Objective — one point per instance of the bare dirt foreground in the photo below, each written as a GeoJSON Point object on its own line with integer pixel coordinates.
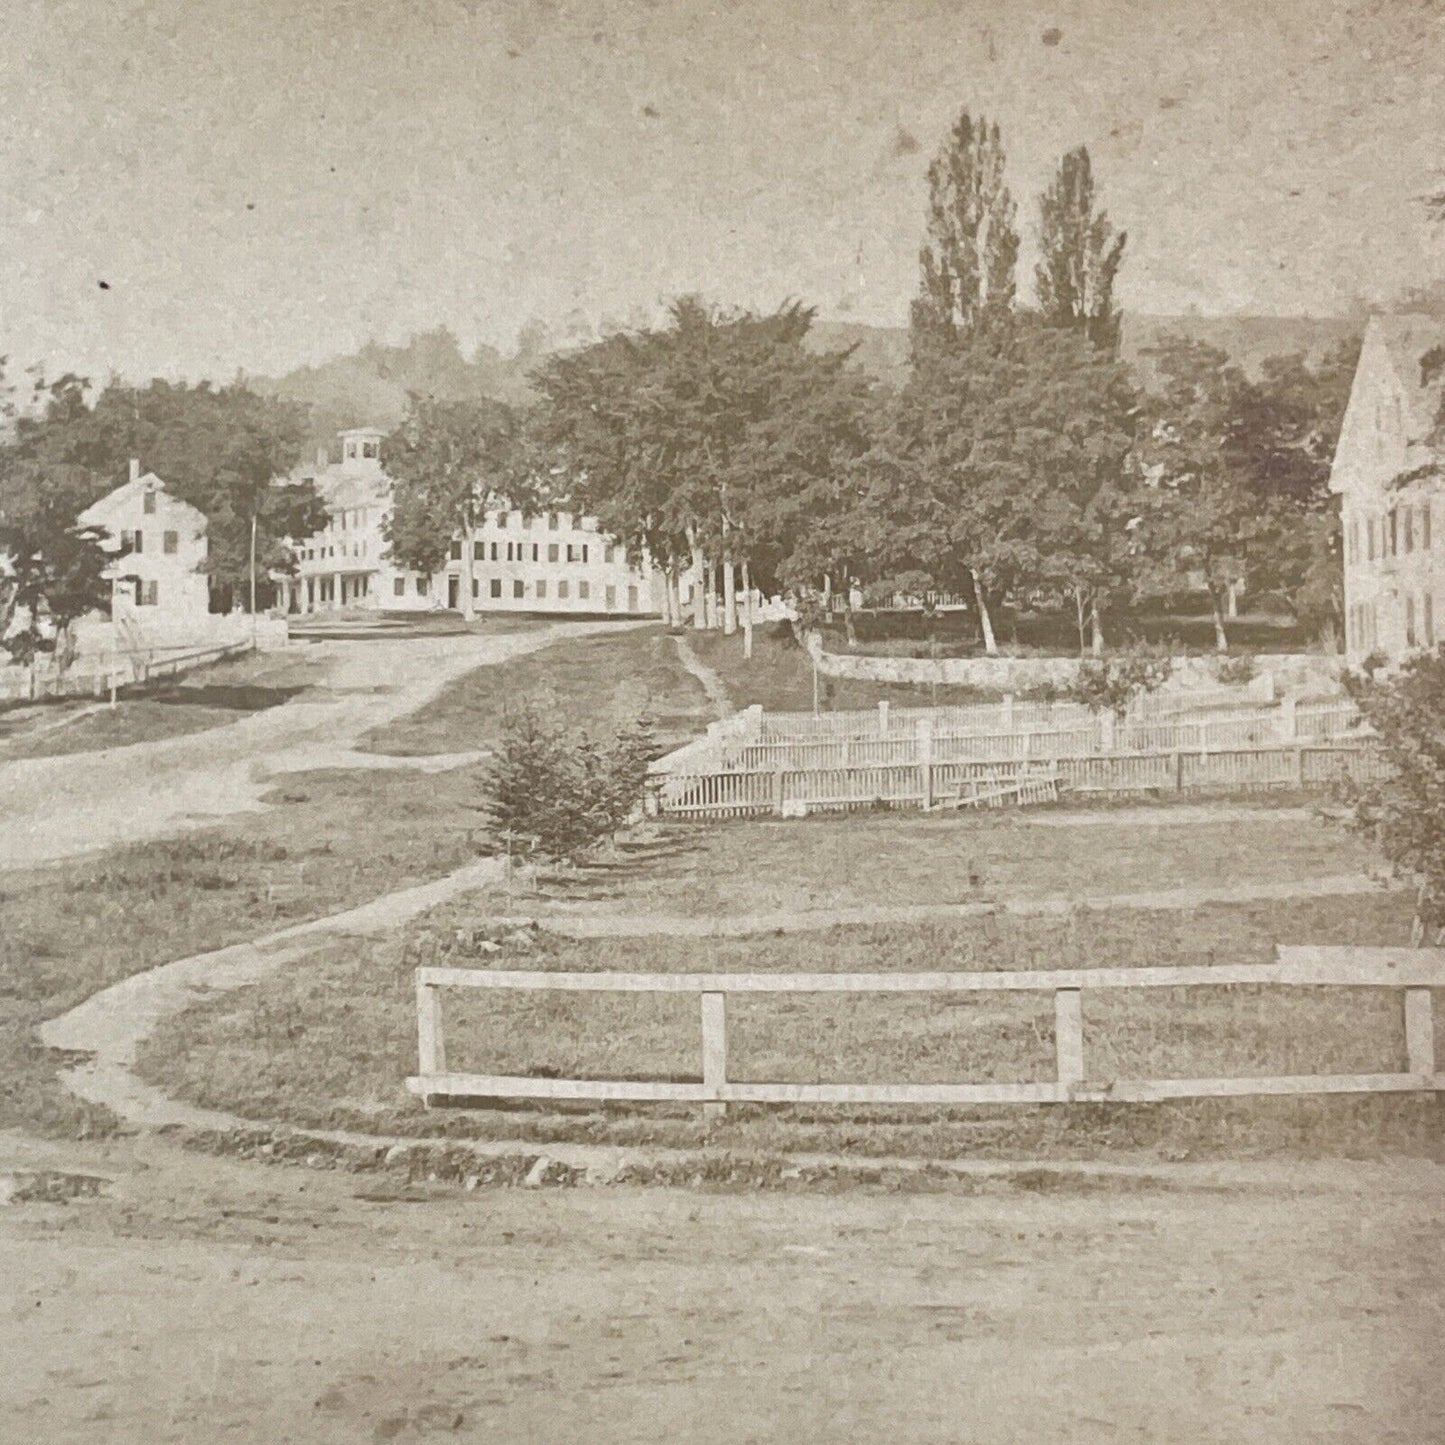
{"type": "Point", "coordinates": [197, 1300]}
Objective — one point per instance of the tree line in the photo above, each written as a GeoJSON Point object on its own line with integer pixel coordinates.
{"type": "Point", "coordinates": [1021, 459]}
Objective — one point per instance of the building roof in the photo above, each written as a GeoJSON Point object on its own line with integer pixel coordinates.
{"type": "Point", "coordinates": [94, 515]}
{"type": "Point", "coordinates": [1415, 345]}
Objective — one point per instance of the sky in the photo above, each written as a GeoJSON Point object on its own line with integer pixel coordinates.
{"type": "Point", "coordinates": [192, 189]}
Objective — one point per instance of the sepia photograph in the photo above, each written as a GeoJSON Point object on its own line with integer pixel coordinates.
{"type": "Point", "coordinates": [722, 721]}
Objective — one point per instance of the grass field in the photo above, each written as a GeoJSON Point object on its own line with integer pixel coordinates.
{"type": "Point", "coordinates": [329, 1041]}
{"type": "Point", "coordinates": [596, 683]}
{"type": "Point", "coordinates": [206, 698]}
{"type": "Point", "coordinates": [324, 842]}
{"type": "Point", "coordinates": [901, 859]}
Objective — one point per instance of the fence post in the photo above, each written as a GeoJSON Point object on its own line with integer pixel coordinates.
{"type": "Point", "coordinates": [1106, 731]}
{"type": "Point", "coordinates": [1287, 719]}
{"type": "Point", "coordinates": [1419, 1031]}
{"type": "Point", "coordinates": [430, 1041]}
{"type": "Point", "coordinates": [778, 792]}
{"type": "Point", "coordinates": [925, 760]}
{"type": "Point", "coordinates": [882, 717]}
{"type": "Point", "coordinates": [1299, 766]}
{"type": "Point", "coordinates": [1178, 771]}
{"type": "Point", "coordinates": [1008, 713]}
{"type": "Point", "coordinates": [1069, 1036]}
{"type": "Point", "coordinates": [714, 1051]}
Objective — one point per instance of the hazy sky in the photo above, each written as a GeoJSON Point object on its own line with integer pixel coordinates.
{"type": "Point", "coordinates": [262, 183]}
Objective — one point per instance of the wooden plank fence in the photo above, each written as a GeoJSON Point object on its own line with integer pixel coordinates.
{"type": "Point", "coordinates": [713, 792]}
{"type": "Point", "coordinates": [1415, 971]}
{"type": "Point", "coordinates": [96, 676]}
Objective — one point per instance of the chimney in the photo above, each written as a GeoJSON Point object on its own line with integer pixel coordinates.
{"type": "Point", "coordinates": [134, 470]}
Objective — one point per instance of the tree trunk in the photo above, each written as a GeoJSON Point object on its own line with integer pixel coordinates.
{"type": "Point", "coordinates": [253, 579]}
{"type": "Point", "coordinates": [1233, 600]}
{"type": "Point", "coordinates": [1096, 628]}
{"type": "Point", "coordinates": [990, 643]}
{"type": "Point", "coordinates": [1079, 618]}
{"type": "Point", "coordinates": [1221, 638]}
{"type": "Point", "coordinates": [699, 587]}
{"type": "Point", "coordinates": [730, 597]}
{"type": "Point", "coordinates": [674, 596]}
{"type": "Point", "coordinates": [747, 612]}
{"type": "Point", "coordinates": [468, 568]}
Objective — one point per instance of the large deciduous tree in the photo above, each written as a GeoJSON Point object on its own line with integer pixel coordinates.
{"type": "Point", "coordinates": [51, 569]}
{"type": "Point", "coordinates": [716, 440]}
{"type": "Point", "coordinates": [968, 261]}
{"type": "Point", "coordinates": [1079, 254]}
{"type": "Point", "coordinates": [452, 462]}
{"type": "Point", "coordinates": [1004, 465]}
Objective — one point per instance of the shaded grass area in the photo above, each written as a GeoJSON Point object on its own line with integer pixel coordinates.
{"type": "Point", "coordinates": [903, 859]}
{"type": "Point", "coordinates": [1184, 629]}
{"type": "Point", "coordinates": [327, 841]}
{"type": "Point", "coordinates": [344, 1022]}
{"type": "Point", "coordinates": [779, 676]}
{"type": "Point", "coordinates": [593, 683]}
{"type": "Point", "coordinates": [209, 697]}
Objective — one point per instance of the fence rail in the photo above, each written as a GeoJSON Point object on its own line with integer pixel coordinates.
{"type": "Point", "coordinates": [1415, 971]}
{"type": "Point", "coordinates": [734, 792]}
{"type": "Point", "coordinates": [94, 677]}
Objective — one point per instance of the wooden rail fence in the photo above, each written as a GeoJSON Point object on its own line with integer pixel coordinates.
{"type": "Point", "coordinates": [1415, 971]}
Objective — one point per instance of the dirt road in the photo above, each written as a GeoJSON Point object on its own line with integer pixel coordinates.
{"type": "Point", "coordinates": [57, 807]}
{"type": "Point", "coordinates": [203, 1301]}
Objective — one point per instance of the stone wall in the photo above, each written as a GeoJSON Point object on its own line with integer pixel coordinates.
{"type": "Point", "coordinates": [1284, 672]}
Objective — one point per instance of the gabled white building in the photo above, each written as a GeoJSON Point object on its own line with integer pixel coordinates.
{"type": "Point", "coordinates": [1394, 535]}
{"type": "Point", "coordinates": [159, 543]}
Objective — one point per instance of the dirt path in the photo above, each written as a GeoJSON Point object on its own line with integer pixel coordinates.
{"type": "Point", "coordinates": [198, 1300]}
{"type": "Point", "coordinates": [575, 921]}
{"type": "Point", "coordinates": [712, 683]}
{"type": "Point", "coordinates": [111, 1025]}
{"type": "Point", "coordinates": [57, 807]}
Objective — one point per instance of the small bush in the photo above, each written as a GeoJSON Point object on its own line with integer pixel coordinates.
{"type": "Point", "coordinates": [1112, 683]}
{"type": "Point", "coordinates": [1237, 671]}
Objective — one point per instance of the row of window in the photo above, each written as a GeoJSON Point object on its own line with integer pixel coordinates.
{"type": "Point", "coordinates": [1362, 624]}
{"type": "Point", "coordinates": [312, 554]}
{"type": "Point", "coordinates": [349, 519]}
{"type": "Point", "coordinates": [134, 542]}
{"type": "Point", "coordinates": [541, 593]}
{"type": "Point", "coordinates": [517, 552]}
{"type": "Point", "coordinates": [1395, 534]}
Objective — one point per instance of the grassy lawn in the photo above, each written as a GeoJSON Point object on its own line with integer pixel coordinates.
{"type": "Point", "coordinates": [206, 698]}
{"type": "Point", "coordinates": [326, 841]}
{"type": "Point", "coordinates": [344, 1022]}
{"type": "Point", "coordinates": [901, 859]}
{"type": "Point", "coordinates": [596, 683]}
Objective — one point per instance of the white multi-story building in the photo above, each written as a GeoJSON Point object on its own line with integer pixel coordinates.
{"type": "Point", "coordinates": [549, 561]}
{"type": "Point", "coordinates": [346, 563]}
{"type": "Point", "coordinates": [1394, 533]}
{"type": "Point", "coordinates": [158, 579]}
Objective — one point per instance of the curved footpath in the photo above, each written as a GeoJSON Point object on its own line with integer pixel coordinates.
{"type": "Point", "coordinates": [111, 1025]}
{"type": "Point", "coordinates": [58, 807]}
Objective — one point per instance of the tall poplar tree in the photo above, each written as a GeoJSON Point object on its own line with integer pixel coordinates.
{"type": "Point", "coordinates": [1080, 254]}
{"type": "Point", "coordinates": [967, 264]}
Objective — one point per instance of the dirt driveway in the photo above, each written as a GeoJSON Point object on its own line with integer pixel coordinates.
{"type": "Point", "coordinates": [57, 807]}
{"type": "Point", "coordinates": [204, 1301]}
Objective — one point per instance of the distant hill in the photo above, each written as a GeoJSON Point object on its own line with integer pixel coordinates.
{"type": "Point", "coordinates": [369, 388]}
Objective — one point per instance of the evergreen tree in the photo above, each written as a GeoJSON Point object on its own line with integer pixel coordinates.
{"type": "Point", "coordinates": [1080, 255]}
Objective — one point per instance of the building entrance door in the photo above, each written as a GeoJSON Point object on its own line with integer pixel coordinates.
{"type": "Point", "coordinates": [453, 592]}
